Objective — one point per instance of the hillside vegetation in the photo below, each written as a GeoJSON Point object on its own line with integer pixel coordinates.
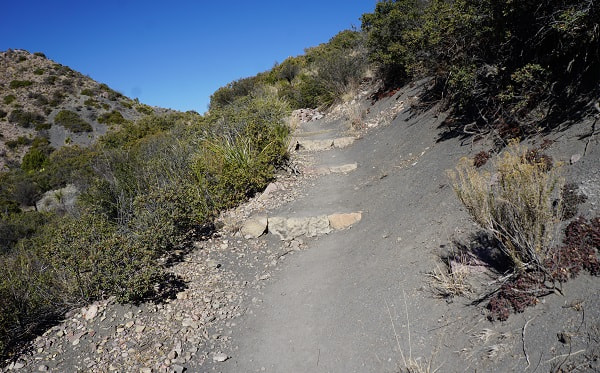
{"type": "Point", "coordinates": [41, 99]}
{"type": "Point", "coordinates": [151, 181]}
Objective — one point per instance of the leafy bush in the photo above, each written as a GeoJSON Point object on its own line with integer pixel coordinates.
{"type": "Point", "coordinates": [388, 31]}
{"type": "Point", "coordinates": [512, 67]}
{"type": "Point", "coordinates": [33, 160]}
{"type": "Point", "coordinates": [228, 94]}
{"type": "Point", "coordinates": [40, 99]}
{"type": "Point", "coordinates": [112, 94]}
{"type": "Point", "coordinates": [39, 54]}
{"type": "Point", "coordinates": [50, 79]}
{"type": "Point", "coordinates": [90, 102]}
{"type": "Point", "coordinates": [113, 118]}
{"type": "Point", "coordinates": [240, 161]}
{"type": "Point", "coordinates": [29, 298]}
{"type": "Point", "coordinates": [131, 132]}
{"type": "Point", "coordinates": [517, 208]}
{"type": "Point", "coordinates": [72, 121]}
{"type": "Point", "coordinates": [38, 71]}
{"type": "Point", "coordinates": [25, 119]}
{"type": "Point", "coordinates": [3, 114]}
{"type": "Point", "coordinates": [92, 260]}
{"type": "Point", "coordinates": [20, 84]}
{"type": "Point", "coordinates": [20, 141]}
{"type": "Point", "coordinates": [88, 92]}
{"type": "Point", "coordinates": [43, 126]}
{"type": "Point", "coordinates": [16, 226]}
{"type": "Point", "coordinates": [8, 99]}
{"type": "Point", "coordinates": [144, 109]}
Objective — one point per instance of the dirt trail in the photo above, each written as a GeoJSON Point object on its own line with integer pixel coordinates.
{"type": "Point", "coordinates": [357, 300]}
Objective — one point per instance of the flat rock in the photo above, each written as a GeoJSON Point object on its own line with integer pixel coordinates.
{"type": "Point", "coordinates": [342, 142]}
{"type": "Point", "coordinates": [290, 228]}
{"type": "Point", "coordinates": [343, 221]}
{"type": "Point", "coordinates": [254, 227]}
{"type": "Point", "coordinates": [343, 168]}
{"type": "Point", "coordinates": [313, 145]}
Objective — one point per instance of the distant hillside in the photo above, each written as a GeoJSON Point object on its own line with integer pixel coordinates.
{"type": "Point", "coordinates": [42, 98]}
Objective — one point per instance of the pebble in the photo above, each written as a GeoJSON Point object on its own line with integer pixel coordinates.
{"type": "Point", "coordinates": [177, 368]}
{"type": "Point", "coordinates": [43, 368]}
{"type": "Point", "coordinates": [220, 357]}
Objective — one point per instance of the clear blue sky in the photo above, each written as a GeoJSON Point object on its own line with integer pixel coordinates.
{"type": "Point", "coordinates": [173, 53]}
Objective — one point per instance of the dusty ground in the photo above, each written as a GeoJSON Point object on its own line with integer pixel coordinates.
{"type": "Point", "coordinates": [355, 300]}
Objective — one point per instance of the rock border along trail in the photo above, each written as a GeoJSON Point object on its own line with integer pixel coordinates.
{"type": "Point", "coordinates": [326, 271]}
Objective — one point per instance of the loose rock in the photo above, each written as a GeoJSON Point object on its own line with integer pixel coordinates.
{"type": "Point", "coordinates": [343, 221]}
{"type": "Point", "coordinates": [220, 357]}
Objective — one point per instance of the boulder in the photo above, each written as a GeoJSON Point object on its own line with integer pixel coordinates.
{"type": "Point", "coordinates": [254, 227]}
{"type": "Point", "coordinates": [59, 199]}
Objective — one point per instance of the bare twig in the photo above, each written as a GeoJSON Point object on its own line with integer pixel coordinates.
{"type": "Point", "coordinates": [523, 338]}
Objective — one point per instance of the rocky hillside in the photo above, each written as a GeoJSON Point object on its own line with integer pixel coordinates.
{"type": "Point", "coordinates": [42, 98]}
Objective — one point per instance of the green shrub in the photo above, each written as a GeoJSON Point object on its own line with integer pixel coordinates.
{"type": "Point", "coordinates": [88, 92]}
{"type": "Point", "coordinates": [91, 260]}
{"type": "Point", "coordinates": [33, 160]}
{"type": "Point", "coordinates": [113, 118]}
{"type": "Point", "coordinates": [30, 298]}
{"type": "Point", "coordinates": [240, 160]}
{"type": "Point", "coordinates": [72, 121]}
{"type": "Point", "coordinates": [57, 99]}
{"type": "Point", "coordinates": [518, 208]}
{"type": "Point", "coordinates": [40, 99]}
{"type": "Point", "coordinates": [146, 126]}
{"type": "Point", "coordinates": [90, 102]}
{"type": "Point", "coordinates": [3, 114]}
{"type": "Point", "coordinates": [39, 54]}
{"type": "Point", "coordinates": [43, 126]}
{"type": "Point", "coordinates": [112, 94]}
{"type": "Point", "coordinates": [228, 94]}
{"type": "Point", "coordinates": [17, 226]}
{"type": "Point", "coordinates": [25, 119]}
{"type": "Point", "coordinates": [50, 79]}
{"type": "Point", "coordinates": [20, 84]}
{"type": "Point", "coordinates": [38, 71]}
{"type": "Point", "coordinates": [388, 29]}
{"type": "Point", "coordinates": [8, 99]}
{"type": "Point", "coordinates": [231, 171]}
{"type": "Point", "coordinates": [144, 109]}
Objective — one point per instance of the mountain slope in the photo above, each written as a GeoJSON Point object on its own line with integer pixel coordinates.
{"type": "Point", "coordinates": [34, 91]}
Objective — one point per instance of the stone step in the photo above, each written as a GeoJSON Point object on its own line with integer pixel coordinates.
{"type": "Point", "coordinates": [288, 228]}
{"type": "Point", "coordinates": [326, 144]}
{"type": "Point", "coordinates": [326, 170]}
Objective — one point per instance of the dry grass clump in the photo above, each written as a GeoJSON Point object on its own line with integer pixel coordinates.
{"type": "Point", "coordinates": [519, 204]}
{"type": "Point", "coordinates": [448, 283]}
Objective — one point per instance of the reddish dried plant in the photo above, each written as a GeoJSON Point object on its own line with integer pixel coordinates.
{"type": "Point", "coordinates": [481, 158]}
{"type": "Point", "coordinates": [579, 252]}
